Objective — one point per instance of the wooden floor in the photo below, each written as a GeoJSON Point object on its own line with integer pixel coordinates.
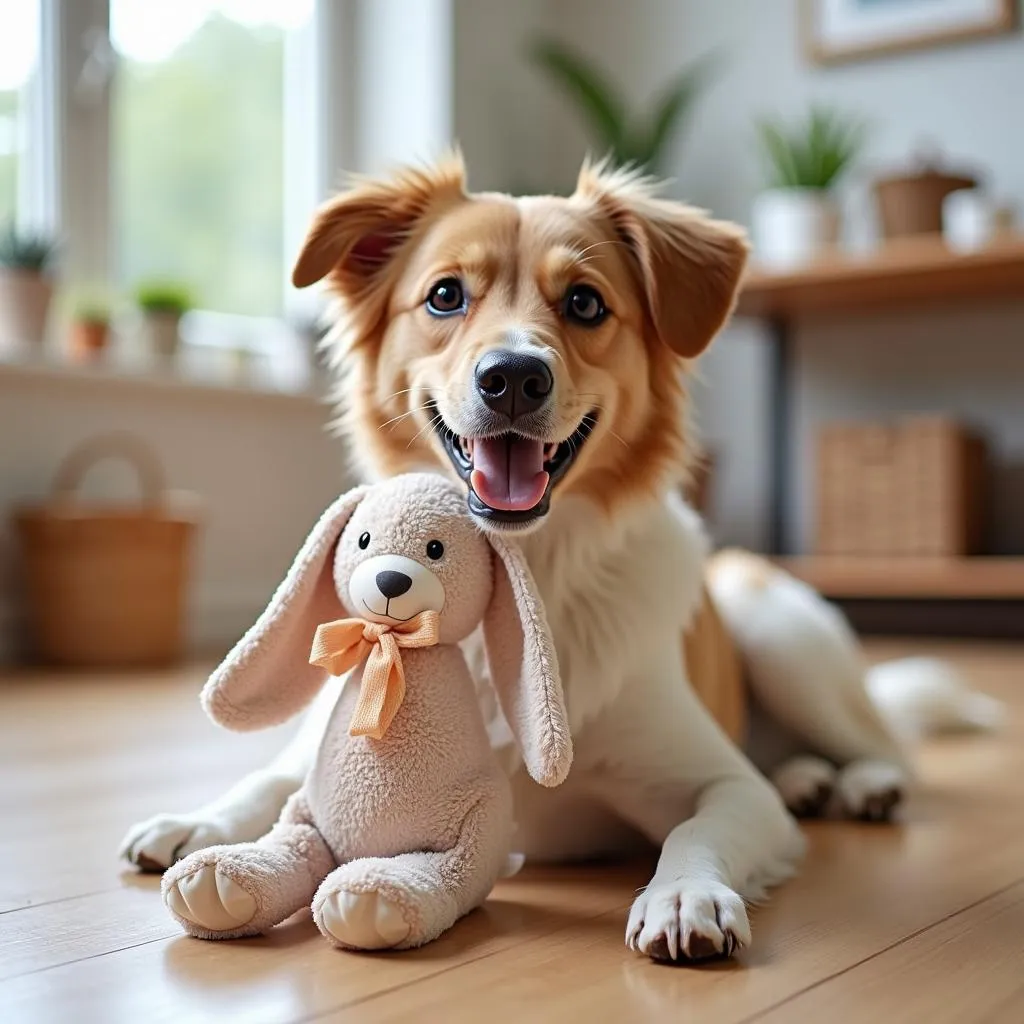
{"type": "Point", "coordinates": [918, 923]}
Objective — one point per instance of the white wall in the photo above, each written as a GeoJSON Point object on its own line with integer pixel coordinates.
{"type": "Point", "coordinates": [264, 466]}
{"type": "Point", "coordinates": [963, 98]}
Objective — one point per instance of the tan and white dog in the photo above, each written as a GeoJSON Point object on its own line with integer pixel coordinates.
{"type": "Point", "coordinates": [538, 349]}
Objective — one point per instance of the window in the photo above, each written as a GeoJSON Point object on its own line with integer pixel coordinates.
{"type": "Point", "coordinates": [197, 147]}
{"type": "Point", "coordinates": [19, 54]}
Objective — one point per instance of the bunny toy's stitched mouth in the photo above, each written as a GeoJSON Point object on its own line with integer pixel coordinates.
{"type": "Point", "coordinates": [510, 476]}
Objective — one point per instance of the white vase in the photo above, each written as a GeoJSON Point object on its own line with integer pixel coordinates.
{"type": "Point", "coordinates": [24, 306]}
{"type": "Point", "coordinates": [791, 226]}
{"type": "Point", "coordinates": [161, 332]}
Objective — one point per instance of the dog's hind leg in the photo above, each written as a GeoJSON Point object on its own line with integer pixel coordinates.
{"type": "Point", "coordinates": [807, 674]}
{"type": "Point", "coordinates": [245, 812]}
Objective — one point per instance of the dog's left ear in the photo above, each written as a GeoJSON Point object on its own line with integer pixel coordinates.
{"type": "Point", "coordinates": [355, 235]}
{"type": "Point", "coordinates": [691, 265]}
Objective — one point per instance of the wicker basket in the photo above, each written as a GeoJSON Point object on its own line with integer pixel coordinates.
{"type": "Point", "coordinates": [106, 584]}
{"type": "Point", "coordinates": [913, 488]}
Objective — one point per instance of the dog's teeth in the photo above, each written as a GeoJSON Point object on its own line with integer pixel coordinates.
{"type": "Point", "coordinates": [467, 447]}
{"type": "Point", "coordinates": [550, 450]}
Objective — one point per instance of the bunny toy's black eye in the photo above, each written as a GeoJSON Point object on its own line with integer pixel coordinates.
{"type": "Point", "coordinates": [435, 549]}
{"type": "Point", "coordinates": [364, 541]}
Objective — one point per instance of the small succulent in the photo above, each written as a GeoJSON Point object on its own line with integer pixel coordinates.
{"type": "Point", "coordinates": [628, 141]}
{"type": "Point", "coordinates": [163, 297]}
{"type": "Point", "coordinates": [26, 250]}
{"type": "Point", "coordinates": [814, 154]}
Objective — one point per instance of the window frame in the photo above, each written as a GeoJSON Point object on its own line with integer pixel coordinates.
{"type": "Point", "coordinates": [68, 185]}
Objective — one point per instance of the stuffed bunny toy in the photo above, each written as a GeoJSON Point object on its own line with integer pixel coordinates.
{"type": "Point", "coordinates": [404, 822]}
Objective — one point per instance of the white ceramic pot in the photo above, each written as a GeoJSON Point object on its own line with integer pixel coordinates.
{"type": "Point", "coordinates": [791, 226]}
{"type": "Point", "coordinates": [24, 307]}
{"type": "Point", "coordinates": [970, 219]}
{"type": "Point", "coordinates": [161, 332]}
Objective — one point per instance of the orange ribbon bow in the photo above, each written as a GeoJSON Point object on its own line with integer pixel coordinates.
{"type": "Point", "coordinates": [341, 645]}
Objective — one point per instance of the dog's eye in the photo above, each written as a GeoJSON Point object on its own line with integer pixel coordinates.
{"type": "Point", "coordinates": [435, 549]}
{"type": "Point", "coordinates": [584, 305]}
{"type": "Point", "coordinates": [447, 297]}
{"type": "Point", "coordinates": [364, 541]}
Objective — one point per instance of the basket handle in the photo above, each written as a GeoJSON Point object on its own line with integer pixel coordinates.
{"type": "Point", "coordinates": [120, 445]}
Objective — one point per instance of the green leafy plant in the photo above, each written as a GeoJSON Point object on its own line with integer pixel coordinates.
{"type": "Point", "coordinates": [92, 309]}
{"type": "Point", "coordinates": [813, 154]}
{"type": "Point", "coordinates": [639, 142]}
{"type": "Point", "coordinates": [26, 250]}
{"type": "Point", "coordinates": [163, 297]}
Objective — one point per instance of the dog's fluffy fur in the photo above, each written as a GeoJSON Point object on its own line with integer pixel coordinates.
{"type": "Point", "coordinates": [621, 562]}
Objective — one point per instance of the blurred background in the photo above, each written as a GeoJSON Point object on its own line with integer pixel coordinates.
{"type": "Point", "coordinates": [159, 163]}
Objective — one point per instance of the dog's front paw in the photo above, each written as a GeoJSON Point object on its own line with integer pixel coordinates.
{"type": "Point", "coordinates": [682, 921]}
{"type": "Point", "coordinates": [156, 843]}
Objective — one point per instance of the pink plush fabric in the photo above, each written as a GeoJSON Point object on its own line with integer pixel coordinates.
{"type": "Point", "coordinates": [393, 839]}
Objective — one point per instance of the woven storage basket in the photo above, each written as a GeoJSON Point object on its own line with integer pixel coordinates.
{"type": "Point", "coordinates": [106, 584]}
{"type": "Point", "coordinates": [913, 488]}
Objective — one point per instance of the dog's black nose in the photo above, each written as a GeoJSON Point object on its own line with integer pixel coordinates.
{"type": "Point", "coordinates": [393, 584]}
{"type": "Point", "coordinates": [512, 383]}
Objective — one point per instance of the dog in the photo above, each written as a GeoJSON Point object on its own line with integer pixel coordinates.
{"type": "Point", "coordinates": [538, 350]}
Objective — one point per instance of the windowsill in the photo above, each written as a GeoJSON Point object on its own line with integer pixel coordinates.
{"type": "Point", "coordinates": [189, 374]}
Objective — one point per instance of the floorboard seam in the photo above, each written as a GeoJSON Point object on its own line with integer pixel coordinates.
{"type": "Point", "coordinates": [453, 967]}
{"type": "Point", "coordinates": [92, 956]}
{"type": "Point", "coordinates": [759, 1014]}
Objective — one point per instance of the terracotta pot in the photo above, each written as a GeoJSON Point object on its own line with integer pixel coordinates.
{"type": "Point", "coordinates": [912, 204]}
{"type": "Point", "coordinates": [89, 337]}
{"type": "Point", "coordinates": [161, 333]}
{"type": "Point", "coordinates": [24, 307]}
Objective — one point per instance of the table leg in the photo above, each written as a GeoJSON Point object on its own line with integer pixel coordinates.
{"type": "Point", "coordinates": [779, 350]}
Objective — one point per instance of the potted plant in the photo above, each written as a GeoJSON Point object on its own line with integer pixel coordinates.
{"type": "Point", "coordinates": [797, 217]}
{"type": "Point", "coordinates": [162, 304]}
{"type": "Point", "coordinates": [629, 141]}
{"type": "Point", "coordinates": [26, 288]}
{"type": "Point", "coordinates": [90, 326]}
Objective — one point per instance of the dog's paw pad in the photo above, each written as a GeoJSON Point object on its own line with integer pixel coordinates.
{"type": "Point", "coordinates": [681, 922]}
{"type": "Point", "coordinates": [210, 900]}
{"type": "Point", "coordinates": [871, 790]}
{"type": "Point", "coordinates": [155, 844]}
{"type": "Point", "coordinates": [361, 920]}
{"type": "Point", "coordinates": [806, 785]}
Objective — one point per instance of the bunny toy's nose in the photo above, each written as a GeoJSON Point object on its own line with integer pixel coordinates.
{"type": "Point", "coordinates": [393, 584]}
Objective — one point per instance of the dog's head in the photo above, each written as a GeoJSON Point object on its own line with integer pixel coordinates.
{"type": "Point", "coordinates": [535, 347]}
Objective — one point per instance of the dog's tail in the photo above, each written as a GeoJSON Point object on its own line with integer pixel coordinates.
{"type": "Point", "coordinates": [805, 667]}
{"type": "Point", "coordinates": [919, 697]}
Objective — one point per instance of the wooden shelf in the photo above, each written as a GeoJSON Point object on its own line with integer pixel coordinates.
{"type": "Point", "coordinates": [901, 273]}
{"type": "Point", "coordinates": [979, 578]}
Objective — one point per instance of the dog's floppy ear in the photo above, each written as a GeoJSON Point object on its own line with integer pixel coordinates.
{"type": "Point", "coordinates": [524, 667]}
{"type": "Point", "coordinates": [267, 678]}
{"type": "Point", "coordinates": [690, 265]}
{"type": "Point", "coordinates": [354, 235]}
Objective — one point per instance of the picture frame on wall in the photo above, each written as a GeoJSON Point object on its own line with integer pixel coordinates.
{"type": "Point", "coordinates": [835, 31]}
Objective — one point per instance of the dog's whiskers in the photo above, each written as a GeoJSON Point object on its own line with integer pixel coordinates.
{"type": "Point", "coordinates": [419, 433]}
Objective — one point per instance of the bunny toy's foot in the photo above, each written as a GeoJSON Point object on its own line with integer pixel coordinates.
{"type": "Point", "coordinates": [386, 903]}
{"type": "Point", "coordinates": [207, 900]}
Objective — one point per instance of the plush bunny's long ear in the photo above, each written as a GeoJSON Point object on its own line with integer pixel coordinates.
{"type": "Point", "coordinates": [524, 667]}
{"type": "Point", "coordinates": [267, 678]}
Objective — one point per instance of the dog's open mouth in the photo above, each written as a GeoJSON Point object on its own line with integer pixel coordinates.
{"type": "Point", "coordinates": [510, 476]}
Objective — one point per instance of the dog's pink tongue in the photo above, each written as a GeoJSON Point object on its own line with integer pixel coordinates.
{"type": "Point", "coordinates": [508, 474]}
